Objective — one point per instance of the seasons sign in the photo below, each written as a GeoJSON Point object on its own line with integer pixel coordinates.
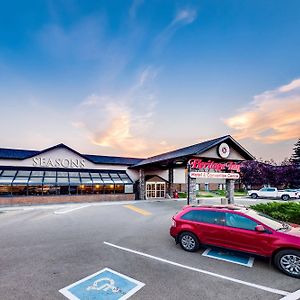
{"type": "Point", "coordinates": [58, 162]}
{"type": "Point", "coordinates": [198, 164]}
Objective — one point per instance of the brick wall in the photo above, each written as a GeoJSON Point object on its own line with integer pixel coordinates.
{"type": "Point", "coordinates": [28, 200]}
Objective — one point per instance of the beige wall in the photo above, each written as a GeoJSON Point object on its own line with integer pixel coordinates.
{"type": "Point", "coordinates": [213, 153]}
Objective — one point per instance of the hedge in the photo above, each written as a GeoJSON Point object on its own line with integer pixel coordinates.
{"type": "Point", "coordinates": [287, 212]}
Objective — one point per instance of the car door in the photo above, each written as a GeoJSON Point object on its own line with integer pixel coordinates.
{"type": "Point", "coordinates": [243, 236]}
{"type": "Point", "coordinates": [210, 227]}
{"type": "Point", "coordinates": [272, 192]}
{"type": "Point", "coordinates": [263, 192]}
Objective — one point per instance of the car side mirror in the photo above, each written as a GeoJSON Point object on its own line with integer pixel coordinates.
{"type": "Point", "coordinates": [260, 228]}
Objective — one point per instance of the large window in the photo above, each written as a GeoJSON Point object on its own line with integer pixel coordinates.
{"type": "Point", "coordinates": [50, 182]}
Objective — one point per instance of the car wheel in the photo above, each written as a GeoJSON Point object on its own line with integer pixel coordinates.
{"type": "Point", "coordinates": [189, 242]}
{"type": "Point", "coordinates": [254, 196]}
{"type": "Point", "coordinates": [288, 261]}
{"type": "Point", "coordinates": [285, 197]}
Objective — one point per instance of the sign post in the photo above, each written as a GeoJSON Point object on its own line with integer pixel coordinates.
{"type": "Point", "coordinates": [210, 169]}
{"type": "Point", "coordinates": [188, 182]}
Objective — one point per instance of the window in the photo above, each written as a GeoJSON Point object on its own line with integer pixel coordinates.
{"type": "Point", "coordinates": [9, 173]}
{"type": "Point", "coordinates": [50, 182]}
{"type": "Point", "coordinates": [205, 216]}
{"type": "Point", "coordinates": [238, 221]}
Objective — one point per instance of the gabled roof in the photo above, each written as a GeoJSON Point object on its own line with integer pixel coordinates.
{"type": "Point", "coordinates": [96, 159]}
{"type": "Point", "coordinates": [6, 153]}
{"type": "Point", "coordinates": [193, 150]}
{"type": "Point", "coordinates": [129, 161]}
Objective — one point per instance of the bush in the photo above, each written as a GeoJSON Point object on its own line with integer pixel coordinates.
{"type": "Point", "coordinates": [287, 212]}
{"type": "Point", "coordinates": [182, 195]}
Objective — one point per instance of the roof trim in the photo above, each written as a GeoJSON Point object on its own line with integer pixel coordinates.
{"type": "Point", "coordinates": [211, 143]}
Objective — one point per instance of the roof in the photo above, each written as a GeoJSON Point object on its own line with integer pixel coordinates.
{"type": "Point", "coordinates": [20, 154]}
{"type": "Point", "coordinates": [196, 149]}
{"type": "Point", "coordinates": [193, 150]}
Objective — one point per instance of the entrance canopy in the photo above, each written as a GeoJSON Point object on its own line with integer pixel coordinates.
{"type": "Point", "coordinates": [208, 149]}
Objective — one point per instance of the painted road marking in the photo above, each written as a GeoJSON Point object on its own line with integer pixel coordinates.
{"type": "Point", "coordinates": [103, 285]}
{"type": "Point", "coordinates": [60, 212]}
{"type": "Point", "coordinates": [292, 296]}
{"type": "Point", "coordinates": [230, 256]}
{"type": "Point", "coordinates": [138, 210]}
{"type": "Point", "coordinates": [258, 286]}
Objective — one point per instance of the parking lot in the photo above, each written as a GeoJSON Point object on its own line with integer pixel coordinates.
{"type": "Point", "coordinates": [44, 249]}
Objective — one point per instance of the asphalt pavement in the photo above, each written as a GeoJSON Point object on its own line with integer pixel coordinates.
{"type": "Point", "coordinates": [46, 248]}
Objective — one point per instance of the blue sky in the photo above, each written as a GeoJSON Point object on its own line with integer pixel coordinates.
{"type": "Point", "coordinates": [138, 77]}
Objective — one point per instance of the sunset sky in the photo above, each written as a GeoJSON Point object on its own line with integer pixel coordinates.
{"type": "Point", "coordinates": [137, 78]}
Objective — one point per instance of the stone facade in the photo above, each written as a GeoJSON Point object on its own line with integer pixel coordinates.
{"type": "Point", "coordinates": [29, 200]}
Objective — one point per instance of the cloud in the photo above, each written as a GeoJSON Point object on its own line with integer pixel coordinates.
{"type": "Point", "coordinates": [122, 122]}
{"type": "Point", "coordinates": [183, 17]}
{"type": "Point", "coordinates": [134, 7]}
{"type": "Point", "coordinates": [82, 40]}
{"type": "Point", "coordinates": [272, 117]}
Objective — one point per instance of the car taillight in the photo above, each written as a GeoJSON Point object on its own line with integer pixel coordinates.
{"type": "Point", "coordinates": [173, 223]}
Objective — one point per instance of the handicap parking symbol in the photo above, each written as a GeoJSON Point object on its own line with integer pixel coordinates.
{"type": "Point", "coordinates": [105, 284]}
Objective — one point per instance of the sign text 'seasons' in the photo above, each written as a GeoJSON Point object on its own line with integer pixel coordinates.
{"type": "Point", "coordinates": [58, 162]}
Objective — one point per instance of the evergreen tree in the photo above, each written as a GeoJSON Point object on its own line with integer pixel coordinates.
{"type": "Point", "coordinates": [296, 155]}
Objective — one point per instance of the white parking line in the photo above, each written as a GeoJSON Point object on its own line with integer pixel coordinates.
{"type": "Point", "coordinates": [292, 296]}
{"type": "Point", "coordinates": [58, 212]}
{"type": "Point", "coordinates": [258, 286]}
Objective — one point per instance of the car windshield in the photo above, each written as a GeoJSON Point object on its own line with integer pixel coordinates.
{"type": "Point", "coordinates": [267, 220]}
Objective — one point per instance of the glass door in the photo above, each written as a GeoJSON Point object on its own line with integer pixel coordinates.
{"type": "Point", "coordinates": [155, 190]}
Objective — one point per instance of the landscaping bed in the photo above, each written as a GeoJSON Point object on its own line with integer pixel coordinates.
{"type": "Point", "coordinates": [287, 212]}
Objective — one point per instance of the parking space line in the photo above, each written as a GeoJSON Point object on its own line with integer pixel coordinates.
{"type": "Point", "coordinates": [58, 212]}
{"type": "Point", "coordinates": [138, 210]}
{"type": "Point", "coordinates": [292, 296]}
{"type": "Point", "coordinates": [258, 286]}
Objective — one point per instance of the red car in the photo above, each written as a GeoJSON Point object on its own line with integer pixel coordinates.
{"type": "Point", "coordinates": [242, 229]}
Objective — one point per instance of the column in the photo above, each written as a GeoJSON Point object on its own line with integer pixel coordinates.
{"type": "Point", "coordinates": [191, 188]}
{"type": "Point", "coordinates": [171, 182]}
{"type": "Point", "coordinates": [230, 191]}
{"type": "Point", "coordinates": [142, 194]}
{"type": "Point", "coordinates": [192, 191]}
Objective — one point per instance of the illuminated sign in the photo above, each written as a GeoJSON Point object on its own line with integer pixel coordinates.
{"type": "Point", "coordinates": [211, 165]}
{"type": "Point", "coordinates": [214, 175]}
{"type": "Point", "coordinates": [58, 162]}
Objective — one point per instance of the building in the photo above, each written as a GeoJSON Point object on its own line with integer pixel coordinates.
{"type": "Point", "coordinates": [61, 174]}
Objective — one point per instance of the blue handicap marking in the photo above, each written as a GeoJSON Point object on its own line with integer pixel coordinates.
{"type": "Point", "coordinates": [230, 256]}
{"type": "Point", "coordinates": [105, 284]}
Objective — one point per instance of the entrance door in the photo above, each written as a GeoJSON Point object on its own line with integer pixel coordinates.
{"type": "Point", "coordinates": [155, 190]}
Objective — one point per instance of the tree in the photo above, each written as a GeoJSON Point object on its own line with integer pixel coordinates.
{"type": "Point", "coordinates": [296, 155]}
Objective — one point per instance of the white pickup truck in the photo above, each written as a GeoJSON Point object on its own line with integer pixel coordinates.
{"type": "Point", "coordinates": [271, 192]}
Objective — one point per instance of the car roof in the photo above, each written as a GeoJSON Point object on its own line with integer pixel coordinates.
{"type": "Point", "coordinates": [231, 207]}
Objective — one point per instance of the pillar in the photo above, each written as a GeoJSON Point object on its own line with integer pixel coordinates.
{"type": "Point", "coordinates": [230, 191]}
{"type": "Point", "coordinates": [171, 182]}
{"type": "Point", "coordinates": [191, 188]}
{"type": "Point", "coordinates": [142, 194]}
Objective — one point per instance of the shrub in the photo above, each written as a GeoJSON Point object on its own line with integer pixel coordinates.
{"type": "Point", "coordinates": [182, 194]}
{"type": "Point", "coordinates": [288, 212]}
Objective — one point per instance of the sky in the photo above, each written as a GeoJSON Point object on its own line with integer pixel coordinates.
{"type": "Point", "coordinates": [138, 78]}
